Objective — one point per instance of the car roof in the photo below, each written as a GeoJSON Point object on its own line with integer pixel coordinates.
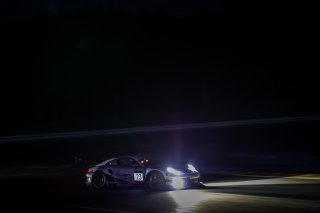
{"type": "Point", "coordinates": [122, 156]}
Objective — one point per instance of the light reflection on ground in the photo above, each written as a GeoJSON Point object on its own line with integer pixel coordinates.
{"type": "Point", "coordinates": [205, 200]}
{"type": "Point", "coordinates": [202, 201]}
{"type": "Point", "coordinates": [186, 200]}
{"type": "Point", "coordinates": [251, 196]}
{"type": "Point", "coordinates": [269, 181]}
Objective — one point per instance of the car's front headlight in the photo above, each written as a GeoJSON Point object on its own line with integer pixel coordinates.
{"type": "Point", "coordinates": [191, 168]}
{"type": "Point", "coordinates": [173, 171]}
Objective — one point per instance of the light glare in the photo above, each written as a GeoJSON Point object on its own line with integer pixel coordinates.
{"type": "Point", "coordinates": [177, 183]}
{"type": "Point", "coordinates": [191, 168]}
{"type": "Point", "coordinates": [173, 171]}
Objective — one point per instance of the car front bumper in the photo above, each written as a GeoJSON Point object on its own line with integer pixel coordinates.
{"type": "Point", "coordinates": [179, 182]}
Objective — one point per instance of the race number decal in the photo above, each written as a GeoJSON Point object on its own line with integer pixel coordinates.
{"type": "Point", "coordinates": [138, 176]}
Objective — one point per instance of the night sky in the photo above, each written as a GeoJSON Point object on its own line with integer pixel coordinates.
{"type": "Point", "coordinates": [87, 65]}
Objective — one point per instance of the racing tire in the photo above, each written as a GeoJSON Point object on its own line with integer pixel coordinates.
{"type": "Point", "coordinates": [156, 181]}
{"type": "Point", "coordinates": [99, 180]}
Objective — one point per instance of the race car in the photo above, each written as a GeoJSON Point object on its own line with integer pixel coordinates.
{"type": "Point", "coordinates": [133, 170]}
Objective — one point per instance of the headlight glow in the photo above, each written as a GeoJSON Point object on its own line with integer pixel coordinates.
{"type": "Point", "coordinates": [173, 171]}
{"type": "Point", "coordinates": [191, 168]}
{"type": "Point", "coordinates": [177, 183]}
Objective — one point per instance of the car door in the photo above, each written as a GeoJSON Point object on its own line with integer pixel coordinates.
{"type": "Point", "coordinates": [127, 170]}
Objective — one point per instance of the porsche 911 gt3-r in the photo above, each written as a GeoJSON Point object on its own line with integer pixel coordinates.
{"type": "Point", "coordinates": [131, 170]}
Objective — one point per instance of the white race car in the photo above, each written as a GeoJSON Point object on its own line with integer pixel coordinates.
{"type": "Point", "coordinates": [131, 170]}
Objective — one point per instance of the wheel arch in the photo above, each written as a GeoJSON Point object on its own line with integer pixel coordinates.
{"type": "Point", "coordinates": [150, 171]}
{"type": "Point", "coordinates": [108, 177]}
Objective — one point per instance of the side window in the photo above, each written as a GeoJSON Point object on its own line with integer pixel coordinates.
{"type": "Point", "coordinates": [113, 163]}
{"type": "Point", "coordinates": [126, 162]}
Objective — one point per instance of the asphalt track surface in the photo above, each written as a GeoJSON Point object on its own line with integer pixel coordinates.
{"type": "Point", "coordinates": [223, 193]}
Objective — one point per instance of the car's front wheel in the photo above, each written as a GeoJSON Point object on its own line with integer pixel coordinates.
{"type": "Point", "coordinates": [99, 180]}
{"type": "Point", "coordinates": [156, 181]}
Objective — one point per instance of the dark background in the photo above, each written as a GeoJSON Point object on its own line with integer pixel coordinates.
{"type": "Point", "coordinates": [87, 65]}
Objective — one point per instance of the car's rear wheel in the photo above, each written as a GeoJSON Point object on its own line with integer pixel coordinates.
{"type": "Point", "coordinates": [156, 181]}
{"type": "Point", "coordinates": [99, 180]}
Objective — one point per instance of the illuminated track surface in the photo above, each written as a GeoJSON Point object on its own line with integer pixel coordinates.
{"type": "Point", "coordinates": [222, 194]}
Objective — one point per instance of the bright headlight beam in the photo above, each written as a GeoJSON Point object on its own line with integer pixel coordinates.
{"type": "Point", "coordinates": [174, 172]}
{"type": "Point", "coordinates": [177, 183]}
{"type": "Point", "coordinates": [191, 168]}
